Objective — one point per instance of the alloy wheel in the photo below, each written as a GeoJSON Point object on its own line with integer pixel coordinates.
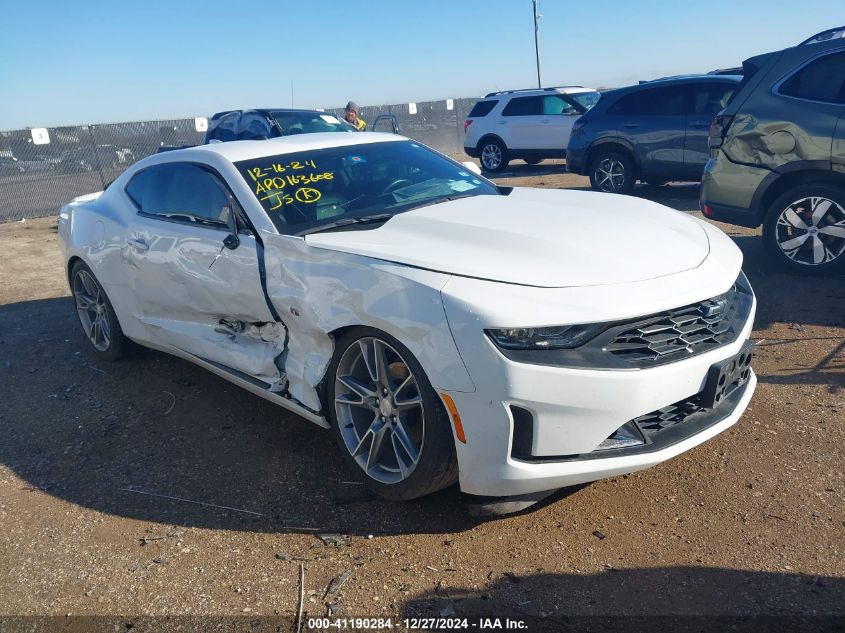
{"type": "Point", "coordinates": [91, 307]}
{"type": "Point", "coordinates": [610, 174]}
{"type": "Point", "coordinates": [379, 410]}
{"type": "Point", "coordinates": [491, 156]}
{"type": "Point", "coordinates": [811, 231]}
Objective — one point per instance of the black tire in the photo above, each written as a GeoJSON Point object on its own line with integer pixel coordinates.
{"type": "Point", "coordinates": [804, 230]}
{"type": "Point", "coordinates": [436, 466]}
{"type": "Point", "coordinates": [115, 345]}
{"type": "Point", "coordinates": [533, 161]}
{"type": "Point", "coordinates": [493, 155]}
{"type": "Point", "coordinates": [612, 172]}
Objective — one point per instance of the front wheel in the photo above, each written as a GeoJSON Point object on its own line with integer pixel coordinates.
{"type": "Point", "coordinates": [391, 426]}
{"type": "Point", "coordinates": [494, 155]}
{"type": "Point", "coordinates": [612, 172]}
{"type": "Point", "coordinates": [805, 229]}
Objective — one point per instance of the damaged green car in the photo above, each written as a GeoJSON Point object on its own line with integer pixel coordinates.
{"type": "Point", "coordinates": [778, 156]}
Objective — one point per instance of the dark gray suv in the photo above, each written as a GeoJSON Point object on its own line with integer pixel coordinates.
{"type": "Point", "coordinates": [653, 132]}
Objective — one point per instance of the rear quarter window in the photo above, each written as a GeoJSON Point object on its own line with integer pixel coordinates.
{"type": "Point", "coordinates": [482, 108]}
{"type": "Point", "coordinates": [821, 80]}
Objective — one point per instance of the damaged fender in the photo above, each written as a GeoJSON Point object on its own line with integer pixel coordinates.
{"type": "Point", "coordinates": [319, 291]}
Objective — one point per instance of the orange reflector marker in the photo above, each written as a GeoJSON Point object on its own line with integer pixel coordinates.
{"type": "Point", "coordinates": [456, 417]}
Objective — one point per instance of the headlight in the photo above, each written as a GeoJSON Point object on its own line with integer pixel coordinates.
{"type": "Point", "coordinates": [559, 337]}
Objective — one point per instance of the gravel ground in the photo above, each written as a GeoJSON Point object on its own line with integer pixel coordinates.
{"type": "Point", "coordinates": [751, 522]}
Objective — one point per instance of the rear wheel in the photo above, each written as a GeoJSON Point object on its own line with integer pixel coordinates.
{"type": "Point", "coordinates": [804, 230]}
{"type": "Point", "coordinates": [494, 155]}
{"type": "Point", "coordinates": [391, 426]}
{"type": "Point", "coordinates": [612, 172]}
{"type": "Point", "coordinates": [96, 315]}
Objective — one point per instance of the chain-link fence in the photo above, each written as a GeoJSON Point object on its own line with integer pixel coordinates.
{"type": "Point", "coordinates": [40, 170]}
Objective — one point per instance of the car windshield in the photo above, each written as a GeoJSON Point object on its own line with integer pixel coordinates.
{"type": "Point", "coordinates": [338, 186]}
{"type": "Point", "coordinates": [586, 99]}
{"type": "Point", "coordinates": [309, 122]}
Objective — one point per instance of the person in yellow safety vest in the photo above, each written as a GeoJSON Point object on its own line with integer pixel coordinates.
{"type": "Point", "coordinates": [353, 119]}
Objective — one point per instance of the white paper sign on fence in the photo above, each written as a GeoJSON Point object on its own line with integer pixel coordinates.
{"type": "Point", "coordinates": [201, 124]}
{"type": "Point", "coordinates": [450, 104]}
{"type": "Point", "coordinates": [40, 136]}
{"type": "Point", "coordinates": [412, 108]}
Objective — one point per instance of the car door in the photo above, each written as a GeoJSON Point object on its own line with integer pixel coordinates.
{"type": "Point", "coordinates": [194, 285]}
{"type": "Point", "coordinates": [652, 121]}
{"type": "Point", "coordinates": [558, 117]}
{"type": "Point", "coordinates": [521, 123]}
{"type": "Point", "coordinates": [708, 98]}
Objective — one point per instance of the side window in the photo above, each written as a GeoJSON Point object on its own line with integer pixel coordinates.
{"type": "Point", "coordinates": [224, 128]}
{"type": "Point", "coordinates": [820, 80]}
{"type": "Point", "coordinates": [555, 104]}
{"type": "Point", "coordinates": [664, 101]}
{"type": "Point", "coordinates": [482, 108]}
{"type": "Point", "coordinates": [181, 192]}
{"type": "Point", "coordinates": [523, 106]}
{"type": "Point", "coordinates": [253, 126]}
{"type": "Point", "coordinates": [711, 97]}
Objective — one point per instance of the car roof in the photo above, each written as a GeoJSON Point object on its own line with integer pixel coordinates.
{"type": "Point", "coordinates": [217, 115]}
{"type": "Point", "coordinates": [235, 151]}
{"type": "Point", "coordinates": [668, 81]}
{"type": "Point", "coordinates": [691, 77]}
{"type": "Point", "coordinates": [530, 92]}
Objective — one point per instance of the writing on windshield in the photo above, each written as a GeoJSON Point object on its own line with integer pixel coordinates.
{"type": "Point", "coordinates": [280, 183]}
{"type": "Point", "coordinates": [306, 190]}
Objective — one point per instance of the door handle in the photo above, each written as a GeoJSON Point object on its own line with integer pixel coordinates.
{"type": "Point", "coordinates": [138, 244]}
{"type": "Point", "coordinates": [630, 125]}
{"type": "Point", "coordinates": [503, 122]}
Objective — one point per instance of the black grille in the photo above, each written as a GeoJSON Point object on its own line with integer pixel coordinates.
{"type": "Point", "coordinates": [668, 416]}
{"type": "Point", "coordinates": [692, 329]}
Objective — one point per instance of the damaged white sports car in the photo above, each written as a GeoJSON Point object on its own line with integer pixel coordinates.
{"type": "Point", "coordinates": [516, 340]}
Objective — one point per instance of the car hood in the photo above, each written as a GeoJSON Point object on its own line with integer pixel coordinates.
{"type": "Point", "coordinates": [535, 237]}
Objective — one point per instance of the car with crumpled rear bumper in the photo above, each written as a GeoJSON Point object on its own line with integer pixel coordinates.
{"type": "Point", "coordinates": [446, 329]}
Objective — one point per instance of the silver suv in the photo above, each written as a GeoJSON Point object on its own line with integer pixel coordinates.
{"type": "Point", "coordinates": [526, 124]}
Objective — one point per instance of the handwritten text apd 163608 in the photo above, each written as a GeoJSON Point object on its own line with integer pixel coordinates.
{"type": "Point", "coordinates": [272, 181]}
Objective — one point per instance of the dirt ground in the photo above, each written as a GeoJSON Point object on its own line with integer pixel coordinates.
{"type": "Point", "coordinates": [151, 487]}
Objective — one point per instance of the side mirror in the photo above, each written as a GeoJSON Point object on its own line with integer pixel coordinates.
{"type": "Point", "coordinates": [471, 166]}
{"type": "Point", "coordinates": [232, 240]}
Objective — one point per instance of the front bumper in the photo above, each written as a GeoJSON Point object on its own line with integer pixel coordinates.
{"type": "Point", "coordinates": [513, 477]}
{"type": "Point", "coordinates": [574, 410]}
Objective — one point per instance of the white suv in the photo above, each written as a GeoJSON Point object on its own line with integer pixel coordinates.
{"type": "Point", "coordinates": [527, 124]}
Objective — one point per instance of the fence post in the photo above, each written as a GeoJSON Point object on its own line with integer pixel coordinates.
{"type": "Point", "coordinates": [96, 155]}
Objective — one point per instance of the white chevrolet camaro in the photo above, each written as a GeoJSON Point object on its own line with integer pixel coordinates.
{"type": "Point", "coordinates": [514, 340]}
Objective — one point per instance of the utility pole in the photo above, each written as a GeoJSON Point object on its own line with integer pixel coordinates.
{"type": "Point", "coordinates": [537, 17]}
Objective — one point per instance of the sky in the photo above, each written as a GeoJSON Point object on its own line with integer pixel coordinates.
{"type": "Point", "coordinates": [66, 62]}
